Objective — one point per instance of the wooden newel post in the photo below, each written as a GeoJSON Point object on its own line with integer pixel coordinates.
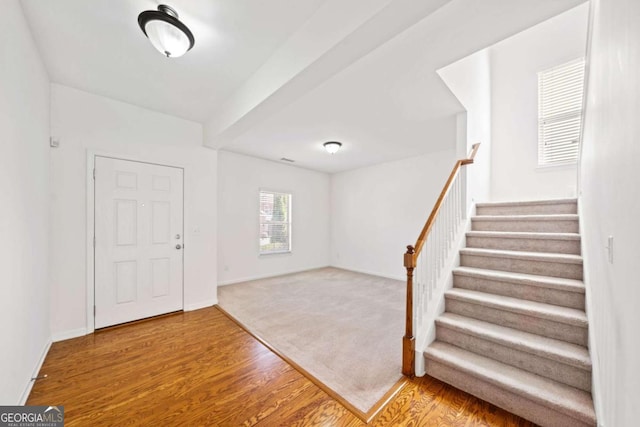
{"type": "Point", "coordinates": [408, 341]}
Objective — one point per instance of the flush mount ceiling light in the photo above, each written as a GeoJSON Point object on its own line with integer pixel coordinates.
{"type": "Point", "coordinates": [332, 146]}
{"type": "Point", "coordinates": [165, 31]}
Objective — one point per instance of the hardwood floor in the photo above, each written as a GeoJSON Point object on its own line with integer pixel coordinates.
{"type": "Point", "coordinates": [201, 369]}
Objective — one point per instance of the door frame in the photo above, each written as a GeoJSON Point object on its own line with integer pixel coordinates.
{"type": "Point", "coordinates": [90, 215]}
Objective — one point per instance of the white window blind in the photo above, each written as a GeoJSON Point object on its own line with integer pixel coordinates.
{"type": "Point", "coordinates": [275, 222]}
{"type": "Point", "coordinates": [560, 93]}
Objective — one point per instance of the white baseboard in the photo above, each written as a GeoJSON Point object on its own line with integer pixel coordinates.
{"type": "Point", "coordinates": [401, 277]}
{"type": "Point", "coordinates": [266, 276]}
{"type": "Point", "coordinates": [200, 304]}
{"type": "Point", "coordinates": [27, 390]}
{"type": "Point", "coordinates": [66, 335]}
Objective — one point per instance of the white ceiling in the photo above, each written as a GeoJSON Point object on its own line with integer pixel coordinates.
{"type": "Point", "coordinates": [97, 46]}
{"type": "Point", "coordinates": [390, 104]}
{"type": "Point", "coordinates": [276, 79]}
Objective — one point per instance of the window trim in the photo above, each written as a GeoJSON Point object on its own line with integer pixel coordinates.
{"type": "Point", "coordinates": [578, 114]}
{"type": "Point", "coordinates": [289, 222]}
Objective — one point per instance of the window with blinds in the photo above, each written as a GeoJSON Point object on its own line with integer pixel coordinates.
{"type": "Point", "coordinates": [560, 93]}
{"type": "Point", "coordinates": [275, 222]}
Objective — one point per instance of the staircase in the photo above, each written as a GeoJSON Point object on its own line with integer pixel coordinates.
{"type": "Point", "coordinates": [514, 331]}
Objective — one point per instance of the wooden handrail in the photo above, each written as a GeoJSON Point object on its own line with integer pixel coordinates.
{"type": "Point", "coordinates": [410, 262]}
{"type": "Point", "coordinates": [472, 154]}
{"type": "Point", "coordinates": [436, 208]}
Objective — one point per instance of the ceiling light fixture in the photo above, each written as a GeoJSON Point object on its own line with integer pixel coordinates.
{"type": "Point", "coordinates": [165, 31]}
{"type": "Point", "coordinates": [332, 146]}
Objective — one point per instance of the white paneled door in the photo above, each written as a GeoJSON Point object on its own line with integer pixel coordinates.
{"type": "Point", "coordinates": [138, 240]}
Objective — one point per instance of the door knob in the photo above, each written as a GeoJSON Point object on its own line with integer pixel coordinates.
{"type": "Point", "coordinates": [178, 246]}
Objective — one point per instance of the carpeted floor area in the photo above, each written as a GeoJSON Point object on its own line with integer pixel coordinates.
{"type": "Point", "coordinates": [342, 327]}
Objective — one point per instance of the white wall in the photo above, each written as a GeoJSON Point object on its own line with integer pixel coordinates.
{"type": "Point", "coordinates": [82, 121]}
{"type": "Point", "coordinates": [240, 179]}
{"type": "Point", "coordinates": [378, 210]}
{"type": "Point", "coordinates": [515, 63]}
{"type": "Point", "coordinates": [24, 206]}
{"type": "Point", "coordinates": [470, 81]}
{"type": "Point", "coordinates": [610, 206]}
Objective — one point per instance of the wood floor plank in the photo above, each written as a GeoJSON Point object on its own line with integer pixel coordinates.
{"type": "Point", "coordinates": [200, 368]}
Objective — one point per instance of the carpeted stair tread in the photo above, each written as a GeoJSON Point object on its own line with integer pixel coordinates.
{"type": "Point", "coordinates": [559, 206]}
{"type": "Point", "coordinates": [532, 239]}
{"type": "Point", "coordinates": [570, 316]}
{"type": "Point", "coordinates": [559, 283]}
{"type": "Point", "coordinates": [527, 203]}
{"type": "Point", "coordinates": [527, 256]}
{"type": "Point", "coordinates": [525, 221]}
{"type": "Point", "coordinates": [541, 217]}
{"type": "Point", "coordinates": [524, 235]}
{"type": "Point", "coordinates": [559, 397]}
{"type": "Point", "coordinates": [549, 348]}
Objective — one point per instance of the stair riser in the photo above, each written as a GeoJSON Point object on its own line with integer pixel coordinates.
{"type": "Point", "coordinates": [523, 322]}
{"type": "Point", "coordinates": [558, 208]}
{"type": "Point", "coordinates": [539, 365]}
{"type": "Point", "coordinates": [519, 290]}
{"type": "Point", "coordinates": [503, 398]}
{"type": "Point", "coordinates": [526, 245]}
{"type": "Point", "coordinates": [515, 265]}
{"type": "Point", "coordinates": [533, 226]}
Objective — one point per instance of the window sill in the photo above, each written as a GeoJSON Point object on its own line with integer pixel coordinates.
{"type": "Point", "coordinates": [274, 253]}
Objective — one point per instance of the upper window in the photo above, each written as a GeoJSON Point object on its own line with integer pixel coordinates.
{"type": "Point", "coordinates": [560, 93]}
{"type": "Point", "coordinates": [275, 222]}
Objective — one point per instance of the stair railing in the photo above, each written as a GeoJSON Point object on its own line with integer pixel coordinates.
{"type": "Point", "coordinates": [425, 261]}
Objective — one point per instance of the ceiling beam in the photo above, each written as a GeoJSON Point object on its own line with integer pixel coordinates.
{"type": "Point", "coordinates": [311, 56]}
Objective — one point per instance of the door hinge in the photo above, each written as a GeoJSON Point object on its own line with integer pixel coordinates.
{"type": "Point", "coordinates": [94, 174]}
{"type": "Point", "coordinates": [94, 310]}
{"type": "Point", "coordinates": [94, 241]}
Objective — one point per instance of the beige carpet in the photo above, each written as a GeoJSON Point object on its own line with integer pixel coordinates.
{"type": "Point", "coordinates": [344, 328]}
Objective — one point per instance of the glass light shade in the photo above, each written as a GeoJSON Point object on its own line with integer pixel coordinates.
{"type": "Point", "coordinates": [168, 39]}
{"type": "Point", "coordinates": [332, 147]}
{"type": "Point", "coordinates": [166, 33]}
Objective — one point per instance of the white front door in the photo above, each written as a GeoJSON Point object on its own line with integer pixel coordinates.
{"type": "Point", "coordinates": [138, 240]}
